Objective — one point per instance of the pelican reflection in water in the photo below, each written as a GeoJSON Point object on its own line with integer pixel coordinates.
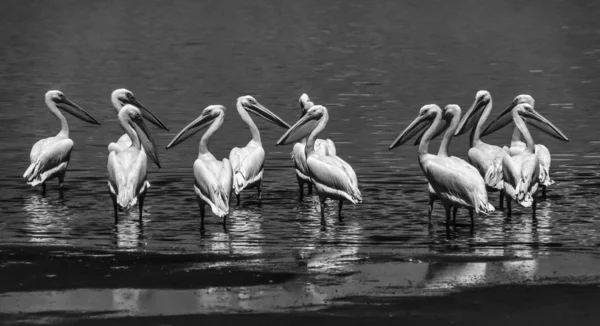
{"type": "Point", "coordinates": [455, 182]}
{"type": "Point", "coordinates": [213, 178]}
{"type": "Point", "coordinates": [248, 162]}
{"type": "Point", "coordinates": [332, 177]}
{"type": "Point", "coordinates": [322, 147]}
{"type": "Point", "coordinates": [50, 156]}
{"type": "Point", "coordinates": [127, 182]}
{"type": "Point", "coordinates": [521, 172]}
{"type": "Point", "coordinates": [121, 97]}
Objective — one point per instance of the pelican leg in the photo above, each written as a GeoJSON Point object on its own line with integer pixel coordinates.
{"type": "Point", "coordinates": [238, 199]}
{"type": "Point", "coordinates": [43, 189]}
{"type": "Point", "coordinates": [430, 210]}
{"type": "Point", "coordinates": [509, 206]}
{"type": "Point", "coordinates": [448, 219]}
{"type": "Point", "coordinates": [201, 216]}
{"type": "Point", "coordinates": [472, 219]}
{"type": "Point", "coordinates": [259, 193]}
{"type": "Point", "coordinates": [225, 223]}
{"type": "Point", "coordinates": [454, 210]}
{"type": "Point", "coordinates": [114, 200]}
{"type": "Point", "coordinates": [301, 186]}
{"type": "Point", "coordinates": [323, 205]}
{"type": "Point", "coordinates": [501, 204]}
{"type": "Point", "coordinates": [544, 192]}
{"type": "Point", "coordinates": [534, 209]}
{"type": "Point", "coordinates": [340, 209]}
{"type": "Point", "coordinates": [310, 188]}
{"type": "Point", "coordinates": [61, 179]}
{"type": "Point", "coordinates": [141, 198]}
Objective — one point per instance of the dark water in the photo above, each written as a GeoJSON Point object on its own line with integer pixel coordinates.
{"type": "Point", "coordinates": [373, 65]}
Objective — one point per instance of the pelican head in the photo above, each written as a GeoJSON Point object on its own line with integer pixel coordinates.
{"type": "Point", "coordinates": [426, 115]}
{"type": "Point", "coordinates": [132, 116]}
{"type": "Point", "coordinates": [531, 117]}
{"type": "Point", "coordinates": [251, 105]}
{"type": "Point", "coordinates": [209, 114]}
{"type": "Point", "coordinates": [63, 103]}
{"type": "Point", "coordinates": [122, 96]}
{"type": "Point", "coordinates": [304, 127]}
{"type": "Point", "coordinates": [482, 99]}
{"type": "Point", "coordinates": [305, 103]}
{"type": "Point", "coordinates": [450, 111]}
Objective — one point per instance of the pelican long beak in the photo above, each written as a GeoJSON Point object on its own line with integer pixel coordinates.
{"type": "Point", "coordinates": [264, 113]}
{"type": "Point", "coordinates": [301, 129]}
{"type": "Point", "coordinates": [442, 127]}
{"type": "Point", "coordinates": [501, 120]}
{"type": "Point", "coordinates": [146, 140]}
{"type": "Point", "coordinates": [66, 105]}
{"type": "Point", "coordinates": [147, 114]}
{"type": "Point", "coordinates": [195, 126]}
{"type": "Point", "coordinates": [469, 120]}
{"type": "Point", "coordinates": [543, 124]}
{"type": "Point", "coordinates": [420, 123]}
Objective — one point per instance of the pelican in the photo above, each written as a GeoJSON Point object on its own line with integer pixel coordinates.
{"type": "Point", "coordinates": [332, 177]}
{"type": "Point", "coordinates": [454, 181]}
{"type": "Point", "coordinates": [322, 147]}
{"type": "Point", "coordinates": [248, 162]}
{"type": "Point", "coordinates": [120, 97]}
{"type": "Point", "coordinates": [127, 168]}
{"type": "Point", "coordinates": [214, 178]}
{"type": "Point", "coordinates": [485, 157]}
{"type": "Point", "coordinates": [50, 156]}
{"type": "Point", "coordinates": [517, 145]}
{"type": "Point", "coordinates": [521, 172]}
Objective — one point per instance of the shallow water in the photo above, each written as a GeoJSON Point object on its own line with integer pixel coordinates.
{"type": "Point", "coordinates": [372, 66]}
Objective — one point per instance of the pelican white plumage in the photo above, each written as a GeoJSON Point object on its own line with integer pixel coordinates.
{"type": "Point", "coordinates": [485, 157]}
{"type": "Point", "coordinates": [517, 145]}
{"type": "Point", "coordinates": [50, 156]}
{"type": "Point", "coordinates": [127, 167]}
{"type": "Point", "coordinates": [248, 162]}
{"type": "Point", "coordinates": [213, 178]}
{"type": "Point", "coordinates": [119, 98]}
{"type": "Point", "coordinates": [521, 171]}
{"type": "Point", "coordinates": [332, 177]}
{"type": "Point", "coordinates": [455, 182]}
{"type": "Point", "coordinates": [323, 147]}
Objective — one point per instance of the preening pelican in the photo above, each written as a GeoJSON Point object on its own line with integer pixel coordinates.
{"type": "Point", "coordinates": [332, 177]}
{"type": "Point", "coordinates": [119, 98]}
{"type": "Point", "coordinates": [485, 157]}
{"type": "Point", "coordinates": [454, 181]}
{"type": "Point", "coordinates": [127, 168]}
{"type": "Point", "coordinates": [322, 147]}
{"type": "Point", "coordinates": [50, 156]}
{"type": "Point", "coordinates": [248, 162]}
{"type": "Point", "coordinates": [517, 145]}
{"type": "Point", "coordinates": [214, 178]}
{"type": "Point", "coordinates": [521, 171]}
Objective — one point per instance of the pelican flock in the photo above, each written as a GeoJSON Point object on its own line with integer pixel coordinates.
{"type": "Point", "coordinates": [332, 177]}
{"type": "Point", "coordinates": [127, 167]}
{"type": "Point", "coordinates": [455, 182]}
{"type": "Point", "coordinates": [517, 171]}
{"type": "Point", "coordinates": [50, 156]}
{"type": "Point", "coordinates": [323, 147]}
{"type": "Point", "coordinates": [248, 162]}
{"type": "Point", "coordinates": [213, 178]}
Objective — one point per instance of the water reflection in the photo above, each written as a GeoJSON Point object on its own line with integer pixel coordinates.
{"type": "Point", "coordinates": [244, 234]}
{"type": "Point", "coordinates": [47, 220]}
{"type": "Point", "coordinates": [129, 234]}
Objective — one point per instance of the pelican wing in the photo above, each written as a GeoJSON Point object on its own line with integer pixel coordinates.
{"type": "Point", "coordinates": [456, 183]}
{"type": "Point", "coordinates": [335, 177]}
{"type": "Point", "coordinates": [488, 161]}
{"type": "Point", "coordinates": [48, 157]}
{"type": "Point", "coordinates": [214, 182]}
{"type": "Point", "coordinates": [299, 158]}
{"type": "Point", "coordinates": [325, 147]}
{"type": "Point", "coordinates": [121, 144]}
{"type": "Point", "coordinates": [127, 175]}
{"type": "Point", "coordinates": [521, 176]}
{"type": "Point", "coordinates": [247, 164]}
{"type": "Point", "coordinates": [543, 155]}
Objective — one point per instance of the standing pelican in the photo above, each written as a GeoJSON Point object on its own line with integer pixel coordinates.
{"type": "Point", "coordinates": [331, 176]}
{"type": "Point", "coordinates": [119, 98]}
{"type": "Point", "coordinates": [50, 156]}
{"type": "Point", "coordinates": [248, 162]}
{"type": "Point", "coordinates": [485, 157]}
{"type": "Point", "coordinates": [517, 145]}
{"type": "Point", "coordinates": [214, 178]}
{"type": "Point", "coordinates": [322, 147]}
{"type": "Point", "coordinates": [127, 168]}
{"type": "Point", "coordinates": [454, 181]}
{"type": "Point", "coordinates": [521, 171]}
